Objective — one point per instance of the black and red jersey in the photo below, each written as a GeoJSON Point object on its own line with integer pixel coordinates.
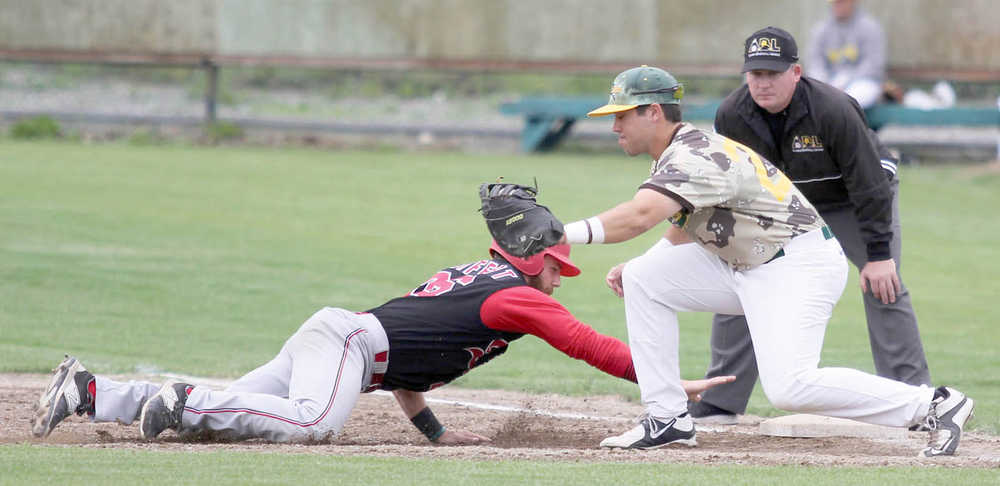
{"type": "Point", "coordinates": [436, 333]}
{"type": "Point", "coordinates": [466, 315]}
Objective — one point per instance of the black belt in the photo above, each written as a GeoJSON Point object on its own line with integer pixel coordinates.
{"type": "Point", "coordinates": [827, 234]}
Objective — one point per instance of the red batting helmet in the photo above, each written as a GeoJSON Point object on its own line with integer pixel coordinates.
{"type": "Point", "coordinates": [534, 264]}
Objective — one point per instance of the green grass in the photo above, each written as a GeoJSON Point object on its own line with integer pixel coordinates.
{"type": "Point", "coordinates": [22, 464]}
{"type": "Point", "coordinates": [204, 260]}
{"type": "Point", "coordinates": [222, 253]}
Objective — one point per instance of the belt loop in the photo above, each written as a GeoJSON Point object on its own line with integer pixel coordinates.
{"type": "Point", "coordinates": [827, 234]}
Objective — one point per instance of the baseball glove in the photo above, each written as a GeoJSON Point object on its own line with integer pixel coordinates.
{"type": "Point", "coordinates": [520, 225]}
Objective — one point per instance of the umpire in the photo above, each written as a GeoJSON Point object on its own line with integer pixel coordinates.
{"type": "Point", "coordinates": [819, 137]}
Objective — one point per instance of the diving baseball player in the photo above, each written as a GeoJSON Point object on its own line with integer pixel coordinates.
{"type": "Point", "coordinates": [460, 318]}
{"type": "Point", "coordinates": [742, 240]}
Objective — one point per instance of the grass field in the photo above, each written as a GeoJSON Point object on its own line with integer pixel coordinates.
{"type": "Point", "coordinates": [203, 260]}
{"type": "Point", "coordinates": [87, 466]}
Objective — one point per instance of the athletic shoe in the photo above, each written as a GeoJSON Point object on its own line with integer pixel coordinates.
{"type": "Point", "coordinates": [707, 414]}
{"type": "Point", "coordinates": [653, 433]}
{"type": "Point", "coordinates": [950, 410]}
{"type": "Point", "coordinates": [65, 395]}
{"type": "Point", "coordinates": [163, 410]}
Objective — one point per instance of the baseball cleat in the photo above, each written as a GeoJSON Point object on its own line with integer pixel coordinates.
{"type": "Point", "coordinates": [62, 397]}
{"type": "Point", "coordinates": [950, 410]}
{"type": "Point", "coordinates": [653, 433]}
{"type": "Point", "coordinates": [163, 410]}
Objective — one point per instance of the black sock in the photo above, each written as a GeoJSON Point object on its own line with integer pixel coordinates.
{"type": "Point", "coordinates": [84, 380]}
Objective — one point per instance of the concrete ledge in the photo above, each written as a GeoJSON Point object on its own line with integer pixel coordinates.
{"type": "Point", "coordinates": [804, 425]}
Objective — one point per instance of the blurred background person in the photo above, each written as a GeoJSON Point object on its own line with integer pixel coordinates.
{"type": "Point", "coordinates": [848, 51]}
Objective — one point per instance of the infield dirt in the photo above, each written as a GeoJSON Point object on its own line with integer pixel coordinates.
{"type": "Point", "coordinates": [536, 427]}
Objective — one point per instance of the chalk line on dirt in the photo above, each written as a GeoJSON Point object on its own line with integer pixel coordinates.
{"type": "Point", "coordinates": [460, 403]}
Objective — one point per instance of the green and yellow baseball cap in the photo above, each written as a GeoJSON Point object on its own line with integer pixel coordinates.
{"type": "Point", "coordinates": [643, 85]}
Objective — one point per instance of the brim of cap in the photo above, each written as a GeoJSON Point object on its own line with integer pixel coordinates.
{"type": "Point", "coordinates": [566, 267]}
{"type": "Point", "coordinates": [766, 65]}
{"type": "Point", "coordinates": [610, 110]}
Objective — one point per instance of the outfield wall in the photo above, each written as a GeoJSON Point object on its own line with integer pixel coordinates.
{"type": "Point", "coordinates": [923, 34]}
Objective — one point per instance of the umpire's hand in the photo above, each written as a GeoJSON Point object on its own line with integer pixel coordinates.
{"type": "Point", "coordinates": [881, 278]}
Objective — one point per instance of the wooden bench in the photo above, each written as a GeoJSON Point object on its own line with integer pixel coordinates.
{"type": "Point", "coordinates": [548, 120]}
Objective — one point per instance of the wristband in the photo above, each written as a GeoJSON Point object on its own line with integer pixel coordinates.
{"type": "Point", "coordinates": [577, 232]}
{"type": "Point", "coordinates": [597, 228]}
{"type": "Point", "coordinates": [585, 231]}
{"type": "Point", "coordinates": [427, 424]}
{"type": "Point", "coordinates": [438, 435]}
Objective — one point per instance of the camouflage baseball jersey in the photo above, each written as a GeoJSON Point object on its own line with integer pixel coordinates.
{"type": "Point", "coordinates": [735, 203]}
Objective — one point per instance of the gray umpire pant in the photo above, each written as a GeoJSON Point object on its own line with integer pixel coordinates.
{"type": "Point", "coordinates": [892, 328]}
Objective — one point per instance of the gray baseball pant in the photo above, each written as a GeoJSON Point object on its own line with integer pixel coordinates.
{"type": "Point", "coordinates": [306, 392]}
{"type": "Point", "coordinates": [892, 328]}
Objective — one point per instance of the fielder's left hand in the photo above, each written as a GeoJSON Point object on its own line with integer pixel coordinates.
{"type": "Point", "coordinates": [614, 280]}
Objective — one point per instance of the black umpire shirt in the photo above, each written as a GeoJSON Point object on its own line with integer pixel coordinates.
{"type": "Point", "coordinates": [825, 147]}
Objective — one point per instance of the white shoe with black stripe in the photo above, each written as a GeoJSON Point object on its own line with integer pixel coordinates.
{"type": "Point", "coordinates": [65, 395]}
{"type": "Point", "coordinates": [950, 410]}
{"type": "Point", "coordinates": [653, 433]}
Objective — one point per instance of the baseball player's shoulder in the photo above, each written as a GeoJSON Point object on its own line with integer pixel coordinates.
{"type": "Point", "coordinates": [825, 101]}
{"type": "Point", "coordinates": [520, 295]}
{"type": "Point", "coordinates": [510, 308]}
{"type": "Point", "coordinates": [868, 24]}
{"type": "Point", "coordinates": [823, 30]}
{"type": "Point", "coordinates": [817, 90]}
{"type": "Point", "coordinates": [685, 147]}
{"type": "Point", "coordinates": [819, 27]}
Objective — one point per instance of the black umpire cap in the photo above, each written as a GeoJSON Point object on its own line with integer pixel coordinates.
{"type": "Point", "coordinates": [770, 49]}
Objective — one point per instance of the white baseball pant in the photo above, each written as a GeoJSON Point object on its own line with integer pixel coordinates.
{"type": "Point", "coordinates": [787, 303]}
{"type": "Point", "coordinates": [306, 392]}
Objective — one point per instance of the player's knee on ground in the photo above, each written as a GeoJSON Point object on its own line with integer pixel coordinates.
{"type": "Point", "coordinates": [309, 430]}
{"type": "Point", "coordinates": [315, 433]}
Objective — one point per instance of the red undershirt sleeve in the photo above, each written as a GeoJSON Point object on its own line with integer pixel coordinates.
{"type": "Point", "coordinates": [527, 310]}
